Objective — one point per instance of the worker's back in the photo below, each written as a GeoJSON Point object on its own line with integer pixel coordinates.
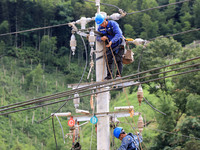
{"type": "Point", "coordinates": [131, 142]}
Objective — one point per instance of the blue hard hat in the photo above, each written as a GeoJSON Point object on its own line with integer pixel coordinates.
{"type": "Point", "coordinates": [117, 131]}
{"type": "Point", "coordinates": [99, 19]}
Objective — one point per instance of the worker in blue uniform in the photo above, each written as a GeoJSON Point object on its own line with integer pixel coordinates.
{"type": "Point", "coordinates": [129, 141]}
{"type": "Point", "coordinates": [112, 34]}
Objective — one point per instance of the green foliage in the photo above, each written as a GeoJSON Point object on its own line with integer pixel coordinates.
{"type": "Point", "coordinates": [190, 126]}
{"type": "Point", "coordinates": [128, 30]}
{"type": "Point", "coordinates": [19, 146]}
{"type": "Point", "coordinates": [34, 77]}
{"type": "Point", "coordinates": [2, 48]}
{"type": "Point", "coordinates": [4, 26]}
{"type": "Point", "coordinates": [197, 13]}
{"type": "Point", "coordinates": [2, 144]}
{"type": "Point", "coordinates": [39, 64]}
{"type": "Point", "coordinates": [150, 28]}
{"type": "Point", "coordinates": [48, 48]}
{"type": "Point", "coordinates": [193, 105]}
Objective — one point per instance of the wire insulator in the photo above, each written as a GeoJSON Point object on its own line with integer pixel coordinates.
{"type": "Point", "coordinates": [140, 94]}
{"type": "Point", "coordinates": [140, 123]}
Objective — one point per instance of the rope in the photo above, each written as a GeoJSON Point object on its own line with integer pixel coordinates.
{"type": "Point", "coordinates": [152, 80]}
{"type": "Point", "coordinates": [103, 63]}
{"type": "Point", "coordinates": [124, 91]}
{"type": "Point", "coordinates": [104, 50]}
{"type": "Point", "coordinates": [114, 59]}
{"type": "Point", "coordinates": [134, 130]}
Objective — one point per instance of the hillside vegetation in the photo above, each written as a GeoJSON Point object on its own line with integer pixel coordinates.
{"type": "Point", "coordinates": [39, 63]}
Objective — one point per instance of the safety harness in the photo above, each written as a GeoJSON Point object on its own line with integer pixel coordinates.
{"type": "Point", "coordinates": [134, 141]}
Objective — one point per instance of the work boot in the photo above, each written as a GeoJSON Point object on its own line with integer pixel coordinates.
{"type": "Point", "coordinates": [118, 76]}
{"type": "Point", "coordinates": [108, 78]}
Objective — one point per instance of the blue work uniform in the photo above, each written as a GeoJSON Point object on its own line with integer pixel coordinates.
{"type": "Point", "coordinates": [130, 142]}
{"type": "Point", "coordinates": [114, 34]}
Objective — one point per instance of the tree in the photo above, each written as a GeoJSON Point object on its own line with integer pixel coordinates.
{"type": "Point", "coordinates": [34, 78]}
{"type": "Point", "coordinates": [196, 7]}
{"type": "Point", "coordinates": [128, 31]}
{"type": "Point", "coordinates": [193, 105]}
{"type": "Point", "coordinates": [2, 48]}
{"type": "Point", "coordinates": [4, 28]}
{"type": "Point", "coordinates": [48, 48]}
{"type": "Point", "coordinates": [171, 10]}
{"type": "Point", "coordinates": [150, 29]}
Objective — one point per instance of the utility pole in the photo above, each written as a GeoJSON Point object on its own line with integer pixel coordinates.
{"type": "Point", "coordinates": [103, 99]}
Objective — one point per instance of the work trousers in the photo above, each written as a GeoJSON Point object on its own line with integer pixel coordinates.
{"type": "Point", "coordinates": [118, 56]}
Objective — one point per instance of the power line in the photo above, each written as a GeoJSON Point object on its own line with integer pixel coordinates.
{"type": "Point", "coordinates": [104, 4]}
{"type": "Point", "coordinates": [88, 88]}
{"type": "Point", "coordinates": [53, 26]}
{"type": "Point", "coordinates": [174, 133]}
{"type": "Point", "coordinates": [34, 29]}
{"type": "Point", "coordinates": [158, 7]}
{"type": "Point", "coordinates": [152, 80]}
{"type": "Point", "coordinates": [175, 34]}
{"type": "Point", "coordinates": [153, 107]}
{"type": "Point", "coordinates": [78, 83]}
{"type": "Point", "coordinates": [54, 132]}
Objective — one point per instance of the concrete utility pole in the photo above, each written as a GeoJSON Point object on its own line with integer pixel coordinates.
{"type": "Point", "coordinates": [103, 99]}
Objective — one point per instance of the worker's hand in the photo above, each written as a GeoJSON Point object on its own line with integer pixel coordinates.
{"type": "Point", "coordinates": [104, 38]}
{"type": "Point", "coordinates": [109, 44]}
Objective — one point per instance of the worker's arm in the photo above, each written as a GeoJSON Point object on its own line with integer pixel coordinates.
{"type": "Point", "coordinates": [117, 32]}
{"type": "Point", "coordinates": [125, 143]}
{"type": "Point", "coordinates": [99, 38]}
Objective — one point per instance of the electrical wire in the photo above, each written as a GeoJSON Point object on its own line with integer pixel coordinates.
{"type": "Point", "coordinates": [103, 83]}
{"type": "Point", "coordinates": [158, 7]}
{"type": "Point", "coordinates": [114, 83]}
{"type": "Point", "coordinates": [61, 128]}
{"type": "Point", "coordinates": [66, 101]}
{"type": "Point", "coordinates": [77, 85]}
{"type": "Point", "coordinates": [153, 107]}
{"type": "Point", "coordinates": [110, 85]}
{"type": "Point", "coordinates": [174, 133]}
{"type": "Point", "coordinates": [53, 26]}
{"type": "Point", "coordinates": [103, 4]}
{"type": "Point", "coordinates": [34, 29]}
{"type": "Point", "coordinates": [54, 133]}
{"type": "Point", "coordinates": [175, 34]}
{"type": "Point", "coordinates": [152, 80]}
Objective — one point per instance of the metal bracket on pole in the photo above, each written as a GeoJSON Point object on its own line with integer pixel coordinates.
{"type": "Point", "coordinates": [110, 114]}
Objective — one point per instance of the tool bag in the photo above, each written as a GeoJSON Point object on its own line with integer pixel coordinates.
{"type": "Point", "coordinates": [128, 57]}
